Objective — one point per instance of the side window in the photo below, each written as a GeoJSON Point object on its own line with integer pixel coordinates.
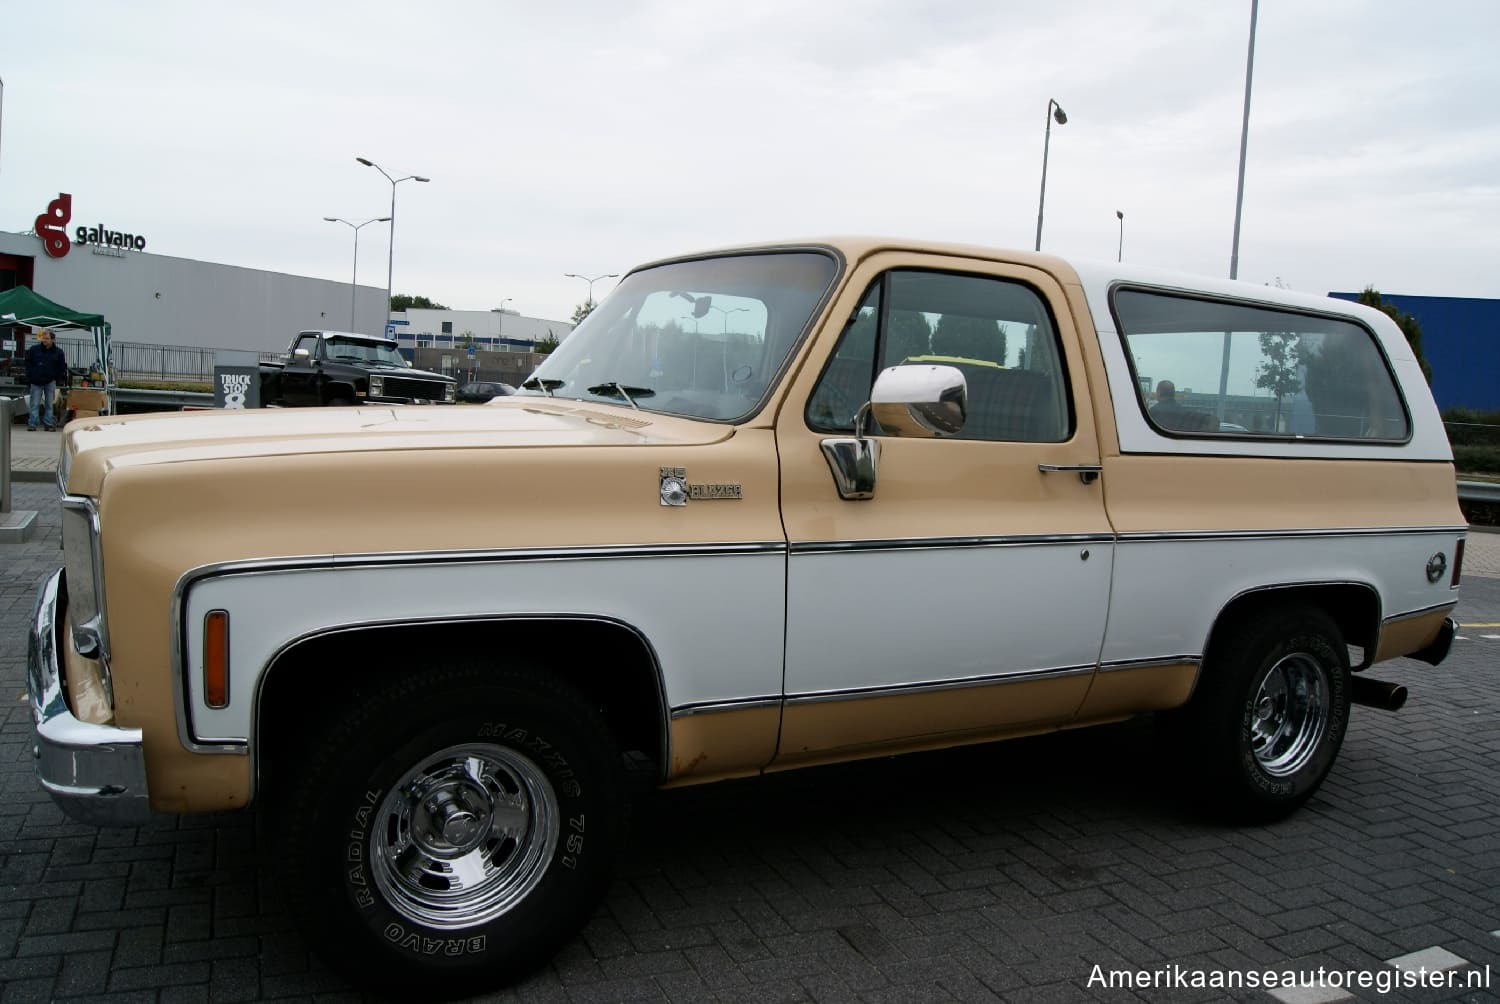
{"type": "Point", "coordinates": [308, 342]}
{"type": "Point", "coordinates": [1208, 368]}
{"type": "Point", "coordinates": [997, 332]}
{"type": "Point", "coordinates": [846, 382]}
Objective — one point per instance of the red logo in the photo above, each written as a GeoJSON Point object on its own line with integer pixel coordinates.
{"type": "Point", "coordinates": [52, 226]}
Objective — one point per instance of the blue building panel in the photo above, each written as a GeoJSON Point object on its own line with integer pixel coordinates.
{"type": "Point", "coordinates": [1461, 340]}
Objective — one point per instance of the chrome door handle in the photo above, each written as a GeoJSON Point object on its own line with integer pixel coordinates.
{"type": "Point", "coordinates": [1087, 473]}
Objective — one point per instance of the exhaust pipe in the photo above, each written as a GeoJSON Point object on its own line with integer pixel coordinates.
{"type": "Point", "coordinates": [1377, 693]}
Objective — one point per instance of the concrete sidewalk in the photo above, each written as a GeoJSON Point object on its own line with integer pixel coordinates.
{"type": "Point", "coordinates": [33, 455]}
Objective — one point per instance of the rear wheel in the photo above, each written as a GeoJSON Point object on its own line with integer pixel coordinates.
{"type": "Point", "coordinates": [1268, 718]}
{"type": "Point", "coordinates": [452, 831]}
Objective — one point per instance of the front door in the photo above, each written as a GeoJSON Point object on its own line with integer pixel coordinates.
{"type": "Point", "coordinates": [967, 599]}
{"type": "Point", "coordinates": [299, 379]}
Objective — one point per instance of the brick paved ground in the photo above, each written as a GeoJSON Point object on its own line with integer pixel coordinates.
{"type": "Point", "coordinates": [1005, 872]}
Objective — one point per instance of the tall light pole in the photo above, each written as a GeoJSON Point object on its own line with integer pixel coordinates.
{"type": "Point", "coordinates": [726, 313]}
{"type": "Point", "coordinates": [591, 280]}
{"type": "Point", "coordinates": [1120, 255]}
{"type": "Point", "coordinates": [1054, 112]}
{"type": "Point", "coordinates": [1239, 193]}
{"type": "Point", "coordinates": [500, 334]}
{"type": "Point", "coordinates": [390, 257]}
{"type": "Point", "coordinates": [353, 282]}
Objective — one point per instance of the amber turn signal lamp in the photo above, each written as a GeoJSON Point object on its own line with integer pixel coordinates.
{"type": "Point", "coordinates": [216, 659]}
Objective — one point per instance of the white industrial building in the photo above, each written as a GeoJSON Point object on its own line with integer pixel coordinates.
{"type": "Point", "coordinates": [492, 330]}
{"type": "Point", "coordinates": [160, 300]}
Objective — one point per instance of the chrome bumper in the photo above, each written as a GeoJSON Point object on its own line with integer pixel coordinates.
{"type": "Point", "coordinates": [96, 773]}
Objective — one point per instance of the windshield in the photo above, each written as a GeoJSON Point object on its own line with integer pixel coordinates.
{"type": "Point", "coordinates": [361, 351]}
{"type": "Point", "coordinates": [698, 338]}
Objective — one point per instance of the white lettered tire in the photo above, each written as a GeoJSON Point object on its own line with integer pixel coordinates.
{"type": "Point", "coordinates": [452, 830]}
{"type": "Point", "coordinates": [1269, 714]}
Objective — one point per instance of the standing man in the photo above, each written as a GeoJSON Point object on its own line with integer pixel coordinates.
{"type": "Point", "coordinates": [45, 366]}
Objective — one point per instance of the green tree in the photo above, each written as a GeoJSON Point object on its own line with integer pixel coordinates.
{"type": "Point", "coordinates": [1279, 370]}
{"type": "Point", "coordinates": [406, 301]}
{"type": "Point", "coordinates": [969, 338]}
{"type": "Point", "coordinates": [545, 346]}
{"type": "Point", "coordinates": [583, 310]}
{"type": "Point", "coordinates": [907, 334]}
{"type": "Point", "coordinates": [1407, 323]}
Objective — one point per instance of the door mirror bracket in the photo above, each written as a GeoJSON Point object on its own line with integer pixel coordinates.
{"type": "Point", "coordinates": [924, 402]}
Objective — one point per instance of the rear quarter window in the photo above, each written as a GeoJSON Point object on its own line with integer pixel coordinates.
{"type": "Point", "coordinates": [1213, 368]}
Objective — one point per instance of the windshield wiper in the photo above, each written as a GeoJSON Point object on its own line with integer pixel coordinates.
{"type": "Point", "coordinates": [537, 383]}
{"type": "Point", "coordinates": [626, 391]}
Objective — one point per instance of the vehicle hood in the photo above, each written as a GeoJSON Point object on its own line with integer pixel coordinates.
{"type": "Point", "coordinates": [385, 369]}
{"type": "Point", "coordinates": [93, 447]}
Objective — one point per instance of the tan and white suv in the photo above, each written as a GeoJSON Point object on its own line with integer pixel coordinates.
{"type": "Point", "coordinates": [767, 507]}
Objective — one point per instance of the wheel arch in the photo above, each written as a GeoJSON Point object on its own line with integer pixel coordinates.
{"type": "Point", "coordinates": [337, 390]}
{"type": "Point", "coordinates": [610, 662]}
{"type": "Point", "coordinates": [1354, 606]}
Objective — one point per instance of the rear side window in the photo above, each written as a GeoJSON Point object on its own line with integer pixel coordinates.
{"type": "Point", "coordinates": [1211, 368]}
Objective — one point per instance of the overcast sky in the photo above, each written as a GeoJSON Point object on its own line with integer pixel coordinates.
{"type": "Point", "coordinates": [589, 137]}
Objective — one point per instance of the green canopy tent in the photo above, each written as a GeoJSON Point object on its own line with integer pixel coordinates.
{"type": "Point", "coordinates": [24, 306]}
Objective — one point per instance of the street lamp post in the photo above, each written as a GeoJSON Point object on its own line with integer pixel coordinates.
{"type": "Point", "coordinates": [391, 250]}
{"type": "Point", "coordinates": [1120, 255]}
{"type": "Point", "coordinates": [1054, 112]}
{"type": "Point", "coordinates": [500, 333]}
{"type": "Point", "coordinates": [591, 280]}
{"type": "Point", "coordinates": [726, 313]}
{"type": "Point", "coordinates": [353, 282]}
{"type": "Point", "coordinates": [1239, 191]}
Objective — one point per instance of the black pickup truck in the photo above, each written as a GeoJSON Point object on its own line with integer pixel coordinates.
{"type": "Point", "coordinates": [343, 368]}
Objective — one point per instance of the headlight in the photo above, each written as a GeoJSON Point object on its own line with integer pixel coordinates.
{"type": "Point", "coordinates": [81, 559]}
{"type": "Point", "coordinates": [377, 386]}
{"type": "Point", "coordinates": [450, 393]}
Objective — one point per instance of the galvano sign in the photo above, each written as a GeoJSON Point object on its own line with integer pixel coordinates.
{"type": "Point", "coordinates": [52, 228]}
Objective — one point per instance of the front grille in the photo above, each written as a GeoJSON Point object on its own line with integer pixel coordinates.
{"type": "Point", "coordinates": [406, 387]}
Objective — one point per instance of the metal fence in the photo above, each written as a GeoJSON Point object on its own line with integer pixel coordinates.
{"type": "Point", "coordinates": [141, 361]}
{"type": "Point", "coordinates": [168, 363]}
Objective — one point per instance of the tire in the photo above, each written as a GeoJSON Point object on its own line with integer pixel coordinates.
{"type": "Point", "coordinates": [452, 831]}
{"type": "Point", "coordinates": [1269, 715]}
{"type": "Point", "coordinates": [339, 402]}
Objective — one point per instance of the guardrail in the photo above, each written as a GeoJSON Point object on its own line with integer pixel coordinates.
{"type": "Point", "coordinates": [1478, 491]}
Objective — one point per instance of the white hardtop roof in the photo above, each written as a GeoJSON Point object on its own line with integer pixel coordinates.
{"type": "Point", "coordinates": [1098, 276]}
{"type": "Point", "coordinates": [355, 335]}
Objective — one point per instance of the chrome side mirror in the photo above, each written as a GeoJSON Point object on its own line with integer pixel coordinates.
{"type": "Point", "coordinates": [923, 402]}
{"type": "Point", "coordinates": [301, 355]}
{"type": "Point", "coordinates": [916, 401]}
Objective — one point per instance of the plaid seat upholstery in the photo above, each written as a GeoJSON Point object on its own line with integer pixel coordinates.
{"type": "Point", "coordinates": [1011, 405]}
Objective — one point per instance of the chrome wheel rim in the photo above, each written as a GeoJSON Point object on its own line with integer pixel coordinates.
{"type": "Point", "coordinates": [464, 836]}
{"type": "Point", "coordinates": [1290, 714]}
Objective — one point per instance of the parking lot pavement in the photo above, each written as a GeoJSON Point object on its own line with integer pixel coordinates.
{"type": "Point", "coordinates": [1004, 872]}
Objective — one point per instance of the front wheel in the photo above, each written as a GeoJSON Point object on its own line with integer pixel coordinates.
{"type": "Point", "coordinates": [1269, 715]}
{"type": "Point", "coordinates": [453, 831]}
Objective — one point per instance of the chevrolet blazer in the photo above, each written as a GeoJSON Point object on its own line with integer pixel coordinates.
{"type": "Point", "coordinates": [767, 507]}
